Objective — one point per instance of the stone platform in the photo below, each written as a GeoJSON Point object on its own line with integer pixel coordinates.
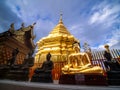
{"type": "Point", "coordinates": [113, 77]}
{"type": "Point", "coordinates": [20, 85]}
{"type": "Point", "coordinates": [83, 79]}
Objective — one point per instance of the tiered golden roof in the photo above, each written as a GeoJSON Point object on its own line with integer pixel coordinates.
{"type": "Point", "coordinates": [58, 43]}
{"type": "Point", "coordinates": [60, 29]}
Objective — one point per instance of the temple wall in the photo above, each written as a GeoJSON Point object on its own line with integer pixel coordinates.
{"type": "Point", "coordinates": [6, 48]}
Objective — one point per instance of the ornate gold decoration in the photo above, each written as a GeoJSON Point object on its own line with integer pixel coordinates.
{"type": "Point", "coordinates": [80, 62]}
{"type": "Point", "coordinates": [58, 43]}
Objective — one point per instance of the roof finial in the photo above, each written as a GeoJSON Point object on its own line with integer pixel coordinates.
{"type": "Point", "coordinates": [61, 15]}
{"type": "Point", "coordinates": [60, 21]}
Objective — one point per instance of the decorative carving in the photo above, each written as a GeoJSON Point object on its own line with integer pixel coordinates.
{"type": "Point", "coordinates": [76, 46]}
{"type": "Point", "coordinates": [22, 27]}
{"type": "Point", "coordinates": [79, 62]}
{"type": "Point", "coordinates": [11, 29]}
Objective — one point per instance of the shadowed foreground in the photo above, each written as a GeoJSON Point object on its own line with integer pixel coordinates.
{"type": "Point", "coordinates": [18, 85]}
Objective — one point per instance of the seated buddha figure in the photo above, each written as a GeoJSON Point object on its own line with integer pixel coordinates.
{"type": "Point", "coordinates": [79, 62]}
{"type": "Point", "coordinates": [44, 74]}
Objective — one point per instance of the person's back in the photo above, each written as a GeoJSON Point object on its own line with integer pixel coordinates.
{"type": "Point", "coordinates": [109, 63]}
{"type": "Point", "coordinates": [107, 55]}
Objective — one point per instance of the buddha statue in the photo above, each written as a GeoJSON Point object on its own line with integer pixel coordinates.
{"type": "Point", "coordinates": [44, 74]}
{"type": "Point", "coordinates": [79, 62]}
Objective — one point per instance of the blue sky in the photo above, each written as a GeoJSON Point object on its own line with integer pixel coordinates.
{"type": "Point", "coordinates": [96, 22]}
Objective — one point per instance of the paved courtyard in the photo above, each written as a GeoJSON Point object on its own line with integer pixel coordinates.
{"type": "Point", "coordinates": [18, 85]}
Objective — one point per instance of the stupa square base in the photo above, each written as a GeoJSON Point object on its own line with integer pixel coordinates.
{"type": "Point", "coordinates": [83, 79]}
{"type": "Point", "coordinates": [67, 79]}
{"type": "Point", "coordinates": [43, 78]}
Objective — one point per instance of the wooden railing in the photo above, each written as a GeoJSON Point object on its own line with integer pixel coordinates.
{"type": "Point", "coordinates": [98, 58]}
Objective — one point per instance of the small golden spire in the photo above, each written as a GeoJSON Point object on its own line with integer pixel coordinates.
{"type": "Point", "coordinates": [60, 21]}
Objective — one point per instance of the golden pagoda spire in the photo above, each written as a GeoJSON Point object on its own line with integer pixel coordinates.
{"type": "Point", "coordinates": [60, 28]}
{"type": "Point", "coordinates": [60, 20]}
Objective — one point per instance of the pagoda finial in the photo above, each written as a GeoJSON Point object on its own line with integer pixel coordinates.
{"type": "Point", "coordinates": [60, 21]}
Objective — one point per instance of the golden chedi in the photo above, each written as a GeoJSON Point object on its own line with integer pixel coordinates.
{"type": "Point", "coordinates": [58, 43]}
{"type": "Point", "coordinates": [79, 62]}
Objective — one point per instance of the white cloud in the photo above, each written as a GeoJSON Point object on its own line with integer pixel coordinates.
{"type": "Point", "coordinates": [104, 13]}
{"type": "Point", "coordinates": [42, 28]}
{"type": "Point", "coordinates": [88, 21]}
{"type": "Point", "coordinates": [76, 29]}
{"type": "Point", "coordinates": [99, 17]}
{"type": "Point", "coordinates": [75, 26]}
{"type": "Point", "coordinates": [115, 39]}
{"type": "Point", "coordinates": [94, 18]}
{"type": "Point", "coordinates": [105, 17]}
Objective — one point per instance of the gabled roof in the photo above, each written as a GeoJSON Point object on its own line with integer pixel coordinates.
{"type": "Point", "coordinates": [23, 35]}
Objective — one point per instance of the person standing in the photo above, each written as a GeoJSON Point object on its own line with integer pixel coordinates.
{"type": "Point", "coordinates": [111, 65]}
{"type": "Point", "coordinates": [107, 54]}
